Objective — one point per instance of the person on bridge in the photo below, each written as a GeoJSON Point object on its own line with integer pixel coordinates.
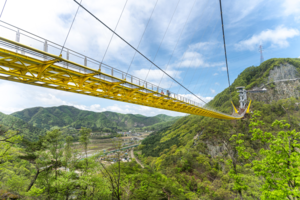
{"type": "Point", "coordinates": [168, 92]}
{"type": "Point", "coordinates": [162, 92]}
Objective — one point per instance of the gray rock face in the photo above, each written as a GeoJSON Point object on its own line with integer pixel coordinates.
{"type": "Point", "coordinates": [282, 90]}
{"type": "Point", "coordinates": [282, 72]}
{"type": "Point", "coordinates": [215, 150]}
{"type": "Point", "coordinates": [284, 82]}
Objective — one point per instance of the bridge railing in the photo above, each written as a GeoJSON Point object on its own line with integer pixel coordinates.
{"type": "Point", "coordinates": [24, 37]}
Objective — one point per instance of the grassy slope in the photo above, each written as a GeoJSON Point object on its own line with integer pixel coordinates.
{"type": "Point", "coordinates": [187, 127]}
{"type": "Point", "coordinates": [69, 116]}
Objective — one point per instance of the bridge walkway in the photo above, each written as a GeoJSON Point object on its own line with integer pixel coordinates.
{"type": "Point", "coordinates": [24, 64]}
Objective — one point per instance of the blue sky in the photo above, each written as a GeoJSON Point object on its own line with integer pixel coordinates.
{"type": "Point", "coordinates": [192, 49]}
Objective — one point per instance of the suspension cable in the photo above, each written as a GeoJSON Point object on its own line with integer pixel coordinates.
{"type": "Point", "coordinates": [3, 8]}
{"type": "Point", "coordinates": [203, 33]}
{"type": "Point", "coordinates": [190, 42]}
{"type": "Point", "coordinates": [141, 39]}
{"type": "Point", "coordinates": [208, 40]}
{"type": "Point", "coordinates": [70, 29]}
{"type": "Point", "coordinates": [177, 41]}
{"type": "Point", "coordinates": [207, 86]}
{"type": "Point", "coordinates": [162, 40]}
{"type": "Point", "coordinates": [200, 70]}
{"type": "Point", "coordinates": [112, 35]}
{"type": "Point", "coordinates": [205, 91]}
{"type": "Point", "coordinates": [211, 82]}
{"type": "Point", "coordinates": [138, 51]}
{"type": "Point", "coordinates": [225, 48]}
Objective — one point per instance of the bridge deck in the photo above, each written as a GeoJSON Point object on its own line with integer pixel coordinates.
{"type": "Point", "coordinates": [24, 64]}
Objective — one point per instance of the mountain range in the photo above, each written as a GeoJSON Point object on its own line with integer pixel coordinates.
{"type": "Point", "coordinates": [33, 122]}
{"type": "Point", "coordinates": [68, 116]}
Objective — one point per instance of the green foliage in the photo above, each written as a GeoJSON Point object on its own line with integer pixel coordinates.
{"type": "Point", "coordinates": [171, 152]}
{"type": "Point", "coordinates": [280, 165]}
{"type": "Point", "coordinates": [26, 130]}
{"type": "Point", "coordinates": [84, 139]}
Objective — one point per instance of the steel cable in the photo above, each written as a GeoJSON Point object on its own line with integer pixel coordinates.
{"type": "Point", "coordinates": [162, 39]}
{"type": "Point", "coordinates": [3, 8]}
{"type": "Point", "coordinates": [70, 29]}
{"type": "Point", "coordinates": [191, 39]}
{"type": "Point", "coordinates": [206, 73]}
{"type": "Point", "coordinates": [211, 82]}
{"type": "Point", "coordinates": [138, 51]}
{"type": "Point", "coordinates": [112, 34]}
{"type": "Point", "coordinates": [221, 13]}
{"type": "Point", "coordinates": [141, 39]}
{"type": "Point", "coordinates": [195, 55]}
{"type": "Point", "coordinates": [177, 41]}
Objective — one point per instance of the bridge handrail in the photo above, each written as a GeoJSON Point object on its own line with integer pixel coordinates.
{"type": "Point", "coordinates": [104, 68]}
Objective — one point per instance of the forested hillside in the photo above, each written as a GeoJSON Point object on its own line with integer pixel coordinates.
{"type": "Point", "coordinates": [69, 116]}
{"type": "Point", "coordinates": [28, 131]}
{"type": "Point", "coordinates": [251, 77]}
{"type": "Point", "coordinates": [198, 150]}
{"type": "Point", "coordinates": [188, 127]}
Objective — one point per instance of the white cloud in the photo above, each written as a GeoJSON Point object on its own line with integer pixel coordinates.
{"type": "Point", "coordinates": [200, 46]}
{"type": "Point", "coordinates": [213, 91]}
{"type": "Point", "coordinates": [215, 74]}
{"type": "Point", "coordinates": [216, 83]}
{"type": "Point", "coordinates": [277, 38]}
{"type": "Point", "coordinates": [194, 59]}
{"type": "Point", "coordinates": [292, 7]}
{"type": "Point", "coordinates": [223, 69]}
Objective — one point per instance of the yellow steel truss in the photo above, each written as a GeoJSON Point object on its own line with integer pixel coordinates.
{"type": "Point", "coordinates": [14, 66]}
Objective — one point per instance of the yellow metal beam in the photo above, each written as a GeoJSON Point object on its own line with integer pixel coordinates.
{"type": "Point", "coordinates": [235, 110]}
{"type": "Point", "coordinates": [49, 74]}
{"type": "Point", "coordinates": [248, 109]}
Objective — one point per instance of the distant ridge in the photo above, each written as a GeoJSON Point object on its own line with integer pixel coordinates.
{"type": "Point", "coordinates": [70, 116]}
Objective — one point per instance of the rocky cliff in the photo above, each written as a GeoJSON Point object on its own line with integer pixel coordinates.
{"type": "Point", "coordinates": [283, 82]}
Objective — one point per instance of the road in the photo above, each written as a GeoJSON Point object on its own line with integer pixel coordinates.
{"type": "Point", "coordinates": [132, 156]}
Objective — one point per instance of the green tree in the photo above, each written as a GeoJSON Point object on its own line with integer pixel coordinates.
{"type": "Point", "coordinates": [68, 151]}
{"type": "Point", "coordinates": [13, 171]}
{"type": "Point", "coordinates": [236, 150]}
{"type": "Point", "coordinates": [280, 165]}
{"type": "Point", "coordinates": [49, 161]}
{"type": "Point", "coordinates": [8, 141]}
{"type": "Point", "coordinates": [84, 139]}
{"type": "Point", "coordinates": [54, 142]}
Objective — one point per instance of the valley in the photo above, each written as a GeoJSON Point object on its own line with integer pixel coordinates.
{"type": "Point", "coordinates": [149, 100]}
{"type": "Point", "coordinates": [193, 156]}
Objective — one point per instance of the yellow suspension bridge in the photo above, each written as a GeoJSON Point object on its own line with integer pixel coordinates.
{"type": "Point", "coordinates": [22, 63]}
